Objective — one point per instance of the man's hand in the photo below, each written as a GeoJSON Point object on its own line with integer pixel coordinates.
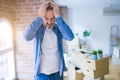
{"type": "Point", "coordinates": [42, 9]}
{"type": "Point", "coordinates": [55, 9]}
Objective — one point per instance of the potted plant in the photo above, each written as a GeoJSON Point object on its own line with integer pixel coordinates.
{"type": "Point", "coordinates": [94, 55]}
{"type": "Point", "coordinates": [100, 53]}
{"type": "Point", "coordinates": [86, 34]}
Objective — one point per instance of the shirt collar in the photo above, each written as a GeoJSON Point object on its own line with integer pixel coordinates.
{"type": "Point", "coordinates": [49, 29]}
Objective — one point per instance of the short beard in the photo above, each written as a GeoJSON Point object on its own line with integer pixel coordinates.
{"type": "Point", "coordinates": [49, 26]}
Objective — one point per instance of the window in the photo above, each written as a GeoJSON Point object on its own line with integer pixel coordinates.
{"type": "Point", "coordinates": [7, 67]}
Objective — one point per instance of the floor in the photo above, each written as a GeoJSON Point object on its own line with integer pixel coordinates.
{"type": "Point", "coordinates": [114, 73]}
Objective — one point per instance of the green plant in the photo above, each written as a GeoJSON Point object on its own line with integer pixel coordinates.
{"type": "Point", "coordinates": [86, 33]}
{"type": "Point", "coordinates": [94, 52]}
{"type": "Point", "coordinates": [100, 51]}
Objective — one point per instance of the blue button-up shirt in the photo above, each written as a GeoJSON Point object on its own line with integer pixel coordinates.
{"type": "Point", "coordinates": [36, 30]}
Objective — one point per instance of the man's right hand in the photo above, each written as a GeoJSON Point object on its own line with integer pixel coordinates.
{"type": "Point", "coordinates": [42, 9]}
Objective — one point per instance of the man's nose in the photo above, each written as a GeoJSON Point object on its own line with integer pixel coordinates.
{"type": "Point", "coordinates": [49, 21]}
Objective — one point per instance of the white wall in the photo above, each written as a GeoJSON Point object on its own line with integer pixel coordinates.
{"type": "Point", "coordinates": [88, 14]}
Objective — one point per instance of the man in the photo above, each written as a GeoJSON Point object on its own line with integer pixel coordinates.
{"type": "Point", "coordinates": [48, 30]}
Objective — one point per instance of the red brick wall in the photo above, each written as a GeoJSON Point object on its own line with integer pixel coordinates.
{"type": "Point", "coordinates": [25, 12]}
{"type": "Point", "coordinates": [6, 8]}
{"type": "Point", "coordinates": [22, 12]}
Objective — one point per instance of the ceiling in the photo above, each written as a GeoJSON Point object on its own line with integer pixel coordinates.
{"type": "Point", "coordinates": [86, 2]}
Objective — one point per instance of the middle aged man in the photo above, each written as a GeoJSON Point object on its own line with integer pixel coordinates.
{"type": "Point", "coordinates": [48, 30]}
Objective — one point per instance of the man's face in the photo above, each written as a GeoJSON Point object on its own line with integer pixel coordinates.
{"type": "Point", "coordinates": [49, 19]}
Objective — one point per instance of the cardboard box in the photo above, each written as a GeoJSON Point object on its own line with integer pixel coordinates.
{"type": "Point", "coordinates": [74, 74]}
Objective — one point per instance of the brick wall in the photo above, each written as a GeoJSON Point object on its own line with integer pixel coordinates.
{"type": "Point", "coordinates": [6, 8]}
{"type": "Point", "coordinates": [22, 12]}
{"type": "Point", "coordinates": [25, 12]}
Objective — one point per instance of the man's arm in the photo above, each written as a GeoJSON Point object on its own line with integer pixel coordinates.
{"type": "Point", "coordinates": [35, 25]}
{"type": "Point", "coordinates": [31, 31]}
{"type": "Point", "coordinates": [64, 29]}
